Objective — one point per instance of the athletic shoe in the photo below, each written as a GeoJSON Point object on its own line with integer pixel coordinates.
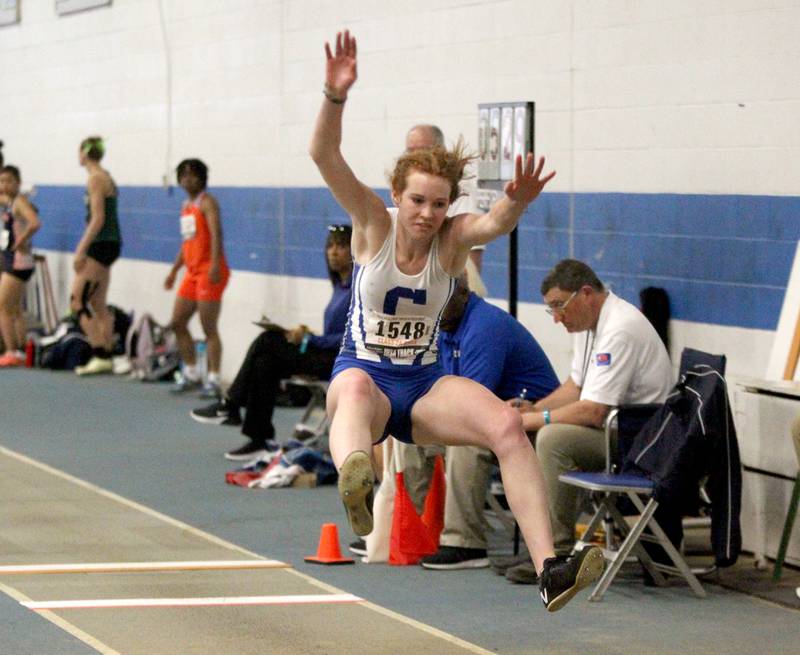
{"type": "Point", "coordinates": [452, 558]}
{"type": "Point", "coordinates": [184, 384]}
{"type": "Point", "coordinates": [524, 573]}
{"type": "Point", "coordinates": [210, 390]}
{"type": "Point", "coordinates": [502, 563]}
{"type": "Point", "coordinates": [563, 577]}
{"type": "Point", "coordinates": [251, 450]}
{"type": "Point", "coordinates": [356, 479]}
{"type": "Point", "coordinates": [11, 359]}
{"type": "Point", "coordinates": [96, 366]}
{"type": "Point", "coordinates": [219, 413]}
{"type": "Point", "coordinates": [358, 547]}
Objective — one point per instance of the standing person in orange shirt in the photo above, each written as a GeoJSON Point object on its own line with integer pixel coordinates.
{"type": "Point", "coordinates": [206, 276]}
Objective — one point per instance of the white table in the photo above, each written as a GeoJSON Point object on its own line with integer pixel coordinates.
{"type": "Point", "coordinates": [763, 412]}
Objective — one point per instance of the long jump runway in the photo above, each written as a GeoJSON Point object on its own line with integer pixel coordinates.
{"type": "Point", "coordinates": [123, 578]}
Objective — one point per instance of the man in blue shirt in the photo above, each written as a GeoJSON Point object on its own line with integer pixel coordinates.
{"type": "Point", "coordinates": [488, 345]}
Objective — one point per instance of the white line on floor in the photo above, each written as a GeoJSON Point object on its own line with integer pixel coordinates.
{"type": "Point", "coordinates": [129, 503]}
{"type": "Point", "coordinates": [128, 567]}
{"type": "Point", "coordinates": [62, 623]}
{"type": "Point", "coordinates": [422, 627]}
{"type": "Point", "coordinates": [301, 599]}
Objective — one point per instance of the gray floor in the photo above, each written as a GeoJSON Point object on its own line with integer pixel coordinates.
{"type": "Point", "coordinates": [138, 441]}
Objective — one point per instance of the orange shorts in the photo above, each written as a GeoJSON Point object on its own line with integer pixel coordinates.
{"type": "Point", "coordinates": [197, 287]}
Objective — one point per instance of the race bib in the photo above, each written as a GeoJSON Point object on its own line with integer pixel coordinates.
{"type": "Point", "coordinates": [188, 226]}
{"type": "Point", "coordinates": [399, 337]}
{"type": "Point", "coordinates": [5, 239]}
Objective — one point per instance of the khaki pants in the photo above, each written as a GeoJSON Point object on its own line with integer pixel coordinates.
{"type": "Point", "coordinates": [561, 449]}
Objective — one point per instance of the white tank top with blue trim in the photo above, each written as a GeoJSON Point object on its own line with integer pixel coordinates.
{"type": "Point", "coordinates": [394, 317]}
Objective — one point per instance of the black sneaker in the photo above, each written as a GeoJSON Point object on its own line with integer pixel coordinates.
{"type": "Point", "coordinates": [451, 558]}
{"type": "Point", "coordinates": [358, 547]}
{"type": "Point", "coordinates": [219, 413]}
{"type": "Point", "coordinates": [250, 450]}
{"type": "Point", "coordinates": [356, 480]}
{"type": "Point", "coordinates": [524, 573]}
{"type": "Point", "coordinates": [563, 577]}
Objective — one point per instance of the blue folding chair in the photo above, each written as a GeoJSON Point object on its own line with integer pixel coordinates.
{"type": "Point", "coordinates": [610, 486]}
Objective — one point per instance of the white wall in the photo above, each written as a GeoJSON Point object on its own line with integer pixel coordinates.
{"type": "Point", "coordinates": [678, 96]}
{"type": "Point", "coordinates": [647, 96]}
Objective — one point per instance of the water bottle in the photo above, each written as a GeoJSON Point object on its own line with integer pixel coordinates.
{"type": "Point", "coordinates": [201, 355]}
{"type": "Point", "coordinates": [30, 351]}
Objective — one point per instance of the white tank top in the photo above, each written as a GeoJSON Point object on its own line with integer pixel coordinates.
{"type": "Point", "coordinates": [394, 317]}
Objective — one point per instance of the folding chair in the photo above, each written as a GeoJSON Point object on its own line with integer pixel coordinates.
{"type": "Point", "coordinates": [40, 304]}
{"type": "Point", "coordinates": [312, 429]}
{"type": "Point", "coordinates": [610, 486]}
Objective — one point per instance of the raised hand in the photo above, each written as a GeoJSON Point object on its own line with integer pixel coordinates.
{"type": "Point", "coordinates": [340, 70]}
{"type": "Point", "coordinates": [528, 183]}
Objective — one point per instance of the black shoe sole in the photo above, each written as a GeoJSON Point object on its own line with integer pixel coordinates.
{"type": "Point", "coordinates": [590, 569]}
{"type": "Point", "coordinates": [355, 489]}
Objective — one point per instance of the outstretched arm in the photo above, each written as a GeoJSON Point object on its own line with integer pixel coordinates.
{"type": "Point", "coordinates": [475, 229]}
{"type": "Point", "coordinates": [357, 199]}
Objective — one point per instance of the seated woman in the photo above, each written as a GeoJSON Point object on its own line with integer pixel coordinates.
{"type": "Point", "coordinates": [277, 354]}
{"type": "Point", "coordinates": [18, 223]}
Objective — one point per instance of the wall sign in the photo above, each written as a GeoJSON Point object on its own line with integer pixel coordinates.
{"type": "Point", "coordinates": [71, 6]}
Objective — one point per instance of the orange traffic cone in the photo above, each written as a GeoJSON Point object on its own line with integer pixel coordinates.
{"type": "Point", "coordinates": [433, 512]}
{"type": "Point", "coordinates": [328, 551]}
{"type": "Point", "coordinates": [410, 540]}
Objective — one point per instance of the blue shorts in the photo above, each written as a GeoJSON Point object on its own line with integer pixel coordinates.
{"type": "Point", "coordinates": [402, 385]}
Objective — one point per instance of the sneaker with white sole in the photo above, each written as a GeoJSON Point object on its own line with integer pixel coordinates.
{"type": "Point", "coordinates": [358, 547]}
{"type": "Point", "coordinates": [562, 577]}
{"type": "Point", "coordinates": [356, 479]}
{"type": "Point", "coordinates": [453, 558]}
{"type": "Point", "coordinates": [219, 413]}
{"type": "Point", "coordinates": [250, 451]}
{"type": "Point", "coordinates": [96, 366]}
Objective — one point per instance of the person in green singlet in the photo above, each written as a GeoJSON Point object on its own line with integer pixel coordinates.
{"type": "Point", "coordinates": [97, 250]}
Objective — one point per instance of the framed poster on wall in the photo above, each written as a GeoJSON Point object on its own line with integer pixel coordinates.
{"type": "Point", "coordinates": [9, 12]}
{"type": "Point", "coordinates": [71, 6]}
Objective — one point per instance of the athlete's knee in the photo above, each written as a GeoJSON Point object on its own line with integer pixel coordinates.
{"type": "Point", "coordinates": [506, 434]}
{"type": "Point", "coordinates": [355, 385]}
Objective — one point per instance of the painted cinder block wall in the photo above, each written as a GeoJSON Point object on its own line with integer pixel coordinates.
{"type": "Point", "coordinates": [673, 128]}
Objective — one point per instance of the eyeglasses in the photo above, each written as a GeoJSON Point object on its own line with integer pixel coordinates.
{"type": "Point", "coordinates": [560, 308]}
{"type": "Point", "coordinates": [339, 228]}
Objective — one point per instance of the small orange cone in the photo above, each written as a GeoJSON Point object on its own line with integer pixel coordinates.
{"type": "Point", "coordinates": [328, 551]}
{"type": "Point", "coordinates": [433, 512]}
{"type": "Point", "coordinates": [410, 540]}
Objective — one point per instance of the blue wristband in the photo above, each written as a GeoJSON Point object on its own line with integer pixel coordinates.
{"type": "Point", "coordinates": [546, 415]}
{"type": "Point", "coordinates": [304, 343]}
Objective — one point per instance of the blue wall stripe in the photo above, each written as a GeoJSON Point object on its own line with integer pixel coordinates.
{"type": "Point", "coordinates": [723, 259]}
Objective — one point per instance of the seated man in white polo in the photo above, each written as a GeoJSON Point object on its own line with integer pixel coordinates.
{"type": "Point", "coordinates": [618, 358]}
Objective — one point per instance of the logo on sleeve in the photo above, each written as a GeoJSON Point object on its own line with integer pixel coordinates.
{"type": "Point", "coordinates": [603, 359]}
